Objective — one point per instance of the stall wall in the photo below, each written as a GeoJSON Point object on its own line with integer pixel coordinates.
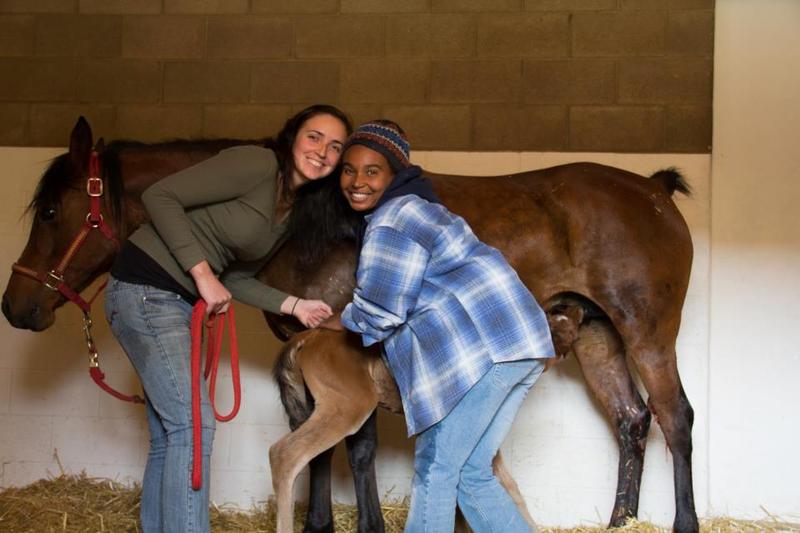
{"type": "Point", "coordinates": [755, 243]}
{"type": "Point", "coordinates": [738, 347]}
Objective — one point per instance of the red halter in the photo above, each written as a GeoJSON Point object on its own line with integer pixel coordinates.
{"type": "Point", "coordinates": [53, 279]}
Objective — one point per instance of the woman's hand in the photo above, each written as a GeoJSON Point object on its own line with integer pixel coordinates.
{"type": "Point", "coordinates": [216, 296]}
{"type": "Point", "coordinates": [309, 312]}
{"type": "Point", "coordinates": [334, 323]}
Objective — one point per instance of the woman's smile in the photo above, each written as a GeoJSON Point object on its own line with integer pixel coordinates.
{"type": "Point", "coordinates": [365, 177]}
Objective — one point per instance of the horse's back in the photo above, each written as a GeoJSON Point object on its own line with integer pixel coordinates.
{"type": "Point", "coordinates": [610, 235]}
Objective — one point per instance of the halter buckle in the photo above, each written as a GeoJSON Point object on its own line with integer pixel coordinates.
{"type": "Point", "coordinates": [53, 279]}
{"type": "Point", "coordinates": [94, 223]}
{"type": "Point", "coordinates": [94, 186]}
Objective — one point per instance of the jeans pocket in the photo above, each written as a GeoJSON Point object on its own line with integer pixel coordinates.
{"type": "Point", "coordinates": [509, 373]}
{"type": "Point", "coordinates": [165, 310]}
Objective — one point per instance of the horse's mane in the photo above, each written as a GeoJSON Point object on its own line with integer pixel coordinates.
{"type": "Point", "coordinates": [60, 177]}
{"type": "Point", "coordinates": [184, 145]}
{"type": "Point", "coordinates": [52, 184]}
{"type": "Point", "coordinates": [320, 215]}
{"type": "Point", "coordinates": [320, 218]}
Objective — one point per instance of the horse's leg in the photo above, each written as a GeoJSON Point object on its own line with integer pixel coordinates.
{"type": "Point", "coordinates": [508, 483]}
{"type": "Point", "coordinates": [361, 449]}
{"type": "Point", "coordinates": [319, 518]}
{"type": "Point", "coordinates": [659, 372]}
{"type": "Point", "coordinates": [504, 477]}
{"type": "Point", "coordinates": [461, 523]}
{"type": "Point", "coordinates": [326, 426]}
{"type": "Point", "coordinates": [599, 351]}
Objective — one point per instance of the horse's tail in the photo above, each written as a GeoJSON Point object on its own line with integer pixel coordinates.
{"type": "Point", "coordinates": [295, 397]}
{"type": "Point", "coordinates": [672, 181]}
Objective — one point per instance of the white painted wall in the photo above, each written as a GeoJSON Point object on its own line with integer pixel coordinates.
{"type": "Point", "coordinates": [755, 261]}
{"type": "Point", "coordinates": [738, 354]}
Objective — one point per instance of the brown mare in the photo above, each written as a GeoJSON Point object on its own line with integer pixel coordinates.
{"type": "Point", "coordinates": [583, 235]}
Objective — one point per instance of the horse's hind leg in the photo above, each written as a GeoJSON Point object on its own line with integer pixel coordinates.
{"type": "Point", "coordinates": [599, 351]}
{"type": "Point", "coordinates": [504, 477]}
{"type": "Point", "coordinates": [361, 449]}
{"type": "Point", "coordinates": [659, 372]}
{"type": "Point", "coordinates": [319, 518]}
{"type": "Point", "coordinates": [325, 427]}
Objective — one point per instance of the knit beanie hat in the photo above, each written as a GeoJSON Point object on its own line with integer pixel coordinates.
{"type": "Point", "coordinates": [386, 138]}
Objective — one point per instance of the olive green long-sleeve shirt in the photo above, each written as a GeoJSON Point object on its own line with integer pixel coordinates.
{"type": "Point", "coordinates": [221, 210]}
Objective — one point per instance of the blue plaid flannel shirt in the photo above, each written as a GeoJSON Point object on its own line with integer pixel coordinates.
{"type": "Point", "coordinates": [445, 305]}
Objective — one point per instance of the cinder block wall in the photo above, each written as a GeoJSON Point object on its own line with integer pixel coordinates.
{"type": "Point", "coordinates": [489, 75]}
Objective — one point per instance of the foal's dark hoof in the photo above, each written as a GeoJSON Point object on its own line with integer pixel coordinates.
{"type": "Point", "coordinates": [686, 526]}
{"type": "Point", "coordinates": [327, 528]}
{"type": "Point", "coordinates": [620, 518]}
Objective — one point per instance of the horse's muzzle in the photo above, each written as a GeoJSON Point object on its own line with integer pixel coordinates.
{"type": "Point", "coordinates": [30, 318]}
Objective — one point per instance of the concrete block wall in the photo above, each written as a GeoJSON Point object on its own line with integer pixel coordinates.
{"type": "Point", "coordinates": [500, 75]}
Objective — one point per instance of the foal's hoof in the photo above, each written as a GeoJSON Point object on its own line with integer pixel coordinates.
{"type": "Point", "coordinates": [327, 528]}
{"type": "Point", "coordinates": [686, 526]}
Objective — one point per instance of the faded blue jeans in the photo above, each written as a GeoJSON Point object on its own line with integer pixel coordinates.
{"type": "Point", "coordinates": [453, 458]}
{"type": "Point", "coordinates": [152, 325]}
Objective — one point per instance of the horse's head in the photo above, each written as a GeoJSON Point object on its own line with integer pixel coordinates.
{"type": "Point", "coordinates": [62, 252]}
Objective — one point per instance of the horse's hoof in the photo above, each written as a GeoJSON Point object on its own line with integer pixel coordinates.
{"type": "Point", "coordinates": [328, 528]}
{"type": "Point", "coordinates": [686, 526]}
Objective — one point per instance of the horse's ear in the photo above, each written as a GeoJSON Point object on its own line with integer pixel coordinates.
{"type": "Point", "coordinates": [80, 144]}
{"type": "Point", "coordinates": [100, 146]}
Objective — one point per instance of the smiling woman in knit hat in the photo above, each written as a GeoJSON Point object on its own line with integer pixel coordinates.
{"type": "Point", "coordinates": [462, 336]}
{"type": "Point", "coordinates": [384, 138]}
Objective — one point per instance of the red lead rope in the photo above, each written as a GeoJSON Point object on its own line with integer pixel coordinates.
{"type": "Point", "coordinates": [213, 349]}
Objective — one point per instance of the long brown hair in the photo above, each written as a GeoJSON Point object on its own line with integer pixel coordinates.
{"type": "Point", "coordinates": [283, 143]}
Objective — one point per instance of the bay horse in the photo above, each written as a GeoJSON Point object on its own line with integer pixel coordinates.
{"type": "Point", "coordinates": [600, 238]}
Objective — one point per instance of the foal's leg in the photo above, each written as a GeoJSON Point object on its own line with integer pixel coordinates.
{"type": "Point", "coordinates": [599, 351]}
{"type": "Point", "coordinates": [508, 483]}
{"type": "Point", "coordinates": [361, 449]}
{"type": "Point", "coordinates": [461, 523]}
{"type": "Point", "coordinates": [659, 372]}
{"type": "Point", "coordinates": [504, 477]}
{"type": "Point", "coordinates": [319, 518]}
{"type": "Point", "coordinates": [326, 426]}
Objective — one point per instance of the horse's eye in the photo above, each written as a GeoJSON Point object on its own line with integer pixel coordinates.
{"type": "Point", "coordinates": [47, 213]}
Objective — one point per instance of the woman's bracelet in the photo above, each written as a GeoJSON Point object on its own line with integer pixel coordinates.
{"type": "Point", "coordinates": [294, 306]}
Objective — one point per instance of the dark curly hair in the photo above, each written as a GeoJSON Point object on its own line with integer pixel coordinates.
{"type": "Point", "coordinates": [320, 218]}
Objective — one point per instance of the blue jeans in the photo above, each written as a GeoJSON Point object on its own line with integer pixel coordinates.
{"type": "Point", "coordinates": [152, 325]}
{"type": "Point", "coordinates": [453, 458]}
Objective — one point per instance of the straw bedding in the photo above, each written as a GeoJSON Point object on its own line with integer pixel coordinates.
{"type": "Point", "coordinates": [84, 504]}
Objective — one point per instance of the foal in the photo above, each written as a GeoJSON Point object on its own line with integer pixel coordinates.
{"type": "Point", "coordinates": [346, 383]}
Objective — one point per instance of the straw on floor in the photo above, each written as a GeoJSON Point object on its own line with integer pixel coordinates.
{"type": "Point", "coordinates": [79, 503]}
